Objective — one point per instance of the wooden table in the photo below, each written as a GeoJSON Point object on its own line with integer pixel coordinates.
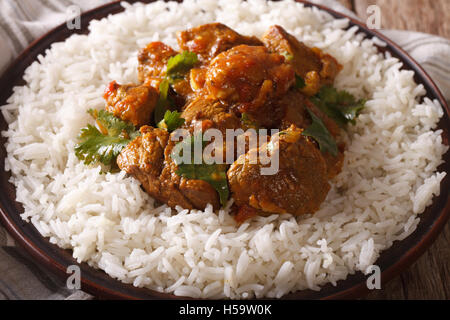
{"type": "Point", "coordinates": [429, 277]}
{"type": "Point", "coordinates": [430, 16]}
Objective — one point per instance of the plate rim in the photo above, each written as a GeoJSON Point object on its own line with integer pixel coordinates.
{"type": "Point", "coordinates": [356, 290]}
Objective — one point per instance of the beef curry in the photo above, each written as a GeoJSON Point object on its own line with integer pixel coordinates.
{"type": "Point", "coordinates": [233, 81]}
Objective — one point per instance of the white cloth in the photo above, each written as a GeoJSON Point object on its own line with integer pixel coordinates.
{"type": "Point", "coordinates": [23, 21]}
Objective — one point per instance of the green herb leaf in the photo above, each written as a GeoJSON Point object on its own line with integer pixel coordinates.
{"type": "Point", "coordinates": [104, 145]}
{"type": "Point", "coordinates": [113, 125]}
{"type": "Point", "coordinates": [177, 67]}
{"type": "Point", "coordinates": [341, 106]}
{"type": "Point", "coordinates": [164, 89]}
{"type": "Point", "coordinates": [180, 64]}
{"type": "Point", "coordinates": [214, 174]}
{"type": "Point", "coordinates": [163, 102]}
{"type": "Point", "coordinates": [172, 121]}
{"type": "Point", "coordinates": [299, 82]}
{"type": "Point", "coordinates": [320, 133]}
{"type": "Point", "coordinates": [353, 109]}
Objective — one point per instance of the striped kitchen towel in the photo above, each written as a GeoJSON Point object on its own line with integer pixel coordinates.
{"type": "Point", "coordinates": [23, 21]}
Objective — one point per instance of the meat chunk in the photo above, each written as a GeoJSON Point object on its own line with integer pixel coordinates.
{"type": "Point", "coordinates": [197, 78]}
{"type": "Point", "coordinates": [143, 158]}
{"type": "Point", "coordinates": [216, 115]}
{"type": "Point", "coordinates": [304, 60]}
{"type": "Point", "coordinates": [209, 40]}
{"type": "Point", "coordinates": [295, 104]}
{"type": "Point", "coordinates": [330, 67]}
{"type": "Point", "coordinates": [298, 187]}
{"type": "Point", "coordinates": [251, 78]}
{"type": "Point", "coordinates": [147, 158]}
{"type": "Point", "coordinates": [213, 113]}
{"type": "Point", "coordinates": [294, 110]}
{"type": "Point", "coordinates": [200, 193]}
{"type": "Point", "coordinates": [152, 68]}
{"type": "Point", "coordinates": [315, 67]}
{"type": "Point", "coordinates": [153, 61]}
{"type": "Point", "coordinates": [133, 103]}
{"type": "Point", "coordinates": [246, 73]}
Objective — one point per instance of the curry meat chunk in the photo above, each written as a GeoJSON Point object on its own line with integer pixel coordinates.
{"type": "Point", "coordinates": [211, 113]}
{"type": "Point", "coordinates": [209, 40]}
{"type": "Point", "coordinates": [296, 53]}
{"type": "Point", "coordinates": [152, 68]}
{"type": "Point", "coordinates": [147, 158]}
{"type": "Point", "coordinates": [314, 66]}
{"type": "Point", "coordinates": [247, 73]}
{"type": "Point", "coordinates": [295, 113]}
{"type": "Point", "coordinates": [293, 188]}
{"type": "Point", "coordinates": [133, 103]}
{"type": "Point", "coordinates": [143, 158]}
{"type": "Point", "coordinates": [250, 77]}
{"type": "Point", "coordinates": [153, 61]}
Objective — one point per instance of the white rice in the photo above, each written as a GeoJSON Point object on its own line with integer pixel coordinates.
{"type": "Point", "coordinates": [388, 179]}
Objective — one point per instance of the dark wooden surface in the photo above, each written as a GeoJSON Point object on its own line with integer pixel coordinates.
{"type": "Point", "coordinates": [429, 16]}
{"type": "Point", "coordinates": [429, 277]}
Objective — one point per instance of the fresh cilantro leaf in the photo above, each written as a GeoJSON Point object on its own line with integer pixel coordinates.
{"type": "Point", "coordinates": [299, 82]}
{"type": "Point", "coordinates": [172, 121]}
{"type": "Point", "coordinates": [320, 133]}
{"type": "Point", "coordinates": [104, 144]}
{"type": "Point", "coordinates": [96, 147]}
{"type": "Point", "coordinates": [341, 106]}
{"type": "Point", "coordinates": [177, 67]}
{"type": "Point", "coordinates": [112, 126]}
{"type": "Point", "coordinates": [353, 109]}
{"type": "Point", "coordinates": [163, 103]}
{"type": "Point", "coordinates": [329, 110]}
{"type": "Point", "coordinates": [164, 89]}
{"type": "Point", "coordinates": [214, 174]}
{"type": "Point", "coordinates": [180, 64]}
